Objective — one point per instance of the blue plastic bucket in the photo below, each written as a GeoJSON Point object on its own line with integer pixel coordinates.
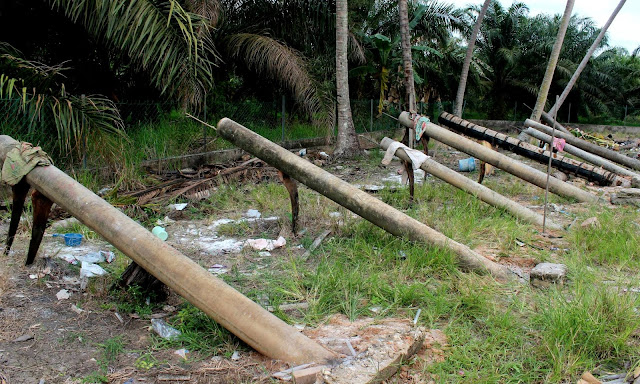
{"type": "Point", "coordinates": [71, 239]}
{"type": "Point", "coordinates": [467, 165]}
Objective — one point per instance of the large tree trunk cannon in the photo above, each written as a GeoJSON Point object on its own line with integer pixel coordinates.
{"type": "Point", "coordinates": [501, 161]}
{"type": "Point", "coordinates": [588, 146]}
{"type": "Point", "coordinates": [564, 164]}
{"type": "Point", "coordinates": [590, 157]}
{"type": "Point", "coordinates": [480, 191]}
{"type": "Point", "coordinates": [357, 201]}
{"type": "Point", "coordinates": [250, 322]}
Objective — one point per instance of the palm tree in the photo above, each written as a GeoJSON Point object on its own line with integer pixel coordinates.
{"type": "Point", "coordinates": [585, 60]}
{"type": "Point", "coordinates": [406, 56]}
{"type": "Point", "coordinates": [500, 52]}
{"type": "Point", "coordinates": [551, 66]}
{"type": "Point", "coordinates": [160, 38]}
{"type": "Point", "coordinates": [347, 141]}
{"type": "Point", "coordinates": [276, 39]}
{"type": "Point", "coordinates": [467, 60]}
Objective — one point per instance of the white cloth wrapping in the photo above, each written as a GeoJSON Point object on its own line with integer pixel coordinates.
{"type": "Point", "coordinates": [417, 157]}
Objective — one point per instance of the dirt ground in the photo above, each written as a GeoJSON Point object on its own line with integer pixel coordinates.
{"type": "Point", "coordinates": [47, 340]}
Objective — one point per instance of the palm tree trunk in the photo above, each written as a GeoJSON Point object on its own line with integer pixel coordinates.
{"type": "Point", "coordinates": [551, 66]}
{"type": "Point", "coordinates": [585, 60]}
{"type": "Point", "coordinates": [467, 60]}
{"type": "Point", "coordinates": [406, 55]}
{"type": "Point", "coordinates": [347, 141]}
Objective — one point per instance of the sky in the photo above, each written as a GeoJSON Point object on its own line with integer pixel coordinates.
{"type": "Point", "coordinates": [623, 32]}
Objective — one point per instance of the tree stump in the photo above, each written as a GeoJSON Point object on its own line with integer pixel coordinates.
{"type": "Point", "coordinates": [135, 275]}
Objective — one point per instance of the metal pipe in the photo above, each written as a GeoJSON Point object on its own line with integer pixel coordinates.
{"type": "Point", "coordinates": [520, 147]}
{"type": "Point", "coordinates": [590, 157]}
{"type": "Point", "coordinates": [355, 200]}
{"type": "Point", "coordinates": [483, 193]}
{"type": "Point", "coordinates": [587, 146]}
{"type": "Point", "coordinates": [501, 161]}
{"type": "Point", "coordinates": [250, 322]}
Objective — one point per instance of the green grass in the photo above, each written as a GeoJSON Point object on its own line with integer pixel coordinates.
{"type": "Point", "coordinates": [505, 333]}
{"type": "Point", "coordinates": [199, 333]}
{"type": "Point", "coordinates": [615, 242]}
{"type": "Point", "coordinates": [109, 351]}
{"type": "Point", "coordinates": [585, 327]}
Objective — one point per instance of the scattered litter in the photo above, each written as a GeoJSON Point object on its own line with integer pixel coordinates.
{"type": "Point", "coordinates": [91, 270]}
{"type": "Point", "coordinates": [254, 213]}
{"type": "Point", "coordinates": [235, 356]}
{"type": "Point", "coordinates": [264, 254]}
{"type": "Point", "coordinates": [178, 207]}
{"type": "Point", "coordinates": [285, 375]}
{"type": "Point", "coordinates": [220, 246]}
{"type": "Point", "coordinates": [70, 239]}
{"type": "Point", "coordinates": [182, 353]}
{"type": "Point", "coordinates": [117, 315]}
{"type": "Point", "coordinates": [403, 255]}
{"type": "Point", "coordinates": [302, 152]}
{"type": "Point", "coordinates": [96, 257]}
{"type": "Point", "coordinates": [62, 224]}
{"type": "Point", "coordinates": [33, 276]}
{"type": "Point", "coordinates": [104, 191]}
{"type": "Point", "coordinates": [265, 244]}
{"type": "Point", "coordinates": [63, 294]}
{"type": "Point", "coordinates": [218, 269]}
{"type": "Point", "coordinates": [335, 215]}
{"type": "Point", "coordinates": [75, 309]}
{"type": "Point", "coordinates": [299, 327]}
{"type": "Point", "coordinates": [317, 241]}
{"type": "Point", "coordinates": [165, 330]}
{"type": "Point", "coordinates": [324, 154]}
{"type": "Point", "coordinates": [91, 257]}
{"type": "Point", "coordinates": [25, 337]}
{"type": "Point", "coordinates": [353, 351]}
{"type": "Point", "coordinates": [375, 309]}
{"type": "Point", "coordinates": [520, 243]}
{"type": "Point", "coordinates": [372, 188]}
{"type": "Point", "coordinates": [160, 233]}
{"type": "Point", "coordinates": [169, 308]}
{"type": "Point", "coordinates": [415, 319]}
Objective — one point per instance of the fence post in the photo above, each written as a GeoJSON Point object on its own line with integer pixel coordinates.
{"type": "Point", "coordinates": [283, 117]}
{"type": "Point", "coordinates": [204, 127]}
{"type": "Point", "coordinates": [84, 138]}
{"type": "Point", "coordinates": [625, 113]}
{"type": "Point", "coordinates": [371, 118]}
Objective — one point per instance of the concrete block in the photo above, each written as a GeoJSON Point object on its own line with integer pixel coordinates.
{"type": "Point", "coordinates": [547, 274]}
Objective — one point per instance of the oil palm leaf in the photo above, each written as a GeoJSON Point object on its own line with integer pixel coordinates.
{"type": "Point", "coordinates": [275, 59]}
{"type": "Point", "coordinates": [160, 36]}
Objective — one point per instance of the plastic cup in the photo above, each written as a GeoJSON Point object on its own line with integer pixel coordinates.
{"type": "Point", "coordinates": [160, 233]}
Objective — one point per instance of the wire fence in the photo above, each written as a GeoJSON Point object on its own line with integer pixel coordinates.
{"type": "Point", "coordinates": [278, 120]}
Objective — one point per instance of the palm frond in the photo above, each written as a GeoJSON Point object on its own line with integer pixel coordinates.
{"type": "Point", "coordinates": [268, 56]}
{"type": "Point", "coordinates": [208, 10]}
{"type": "Point", "coordinates": [159, 36]}
{"type": "Point", "coordinates": [356, 50]}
